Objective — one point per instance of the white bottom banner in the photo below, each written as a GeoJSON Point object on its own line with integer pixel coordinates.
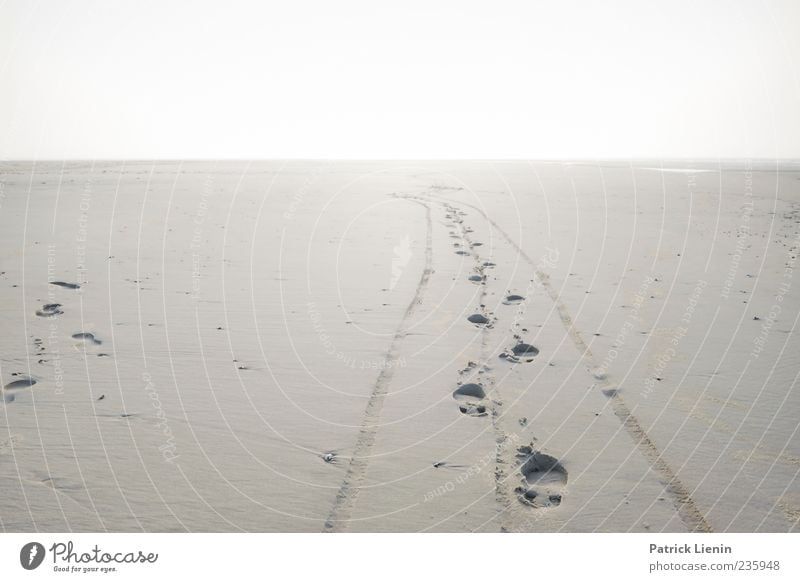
{"type": "Point", "coordinates": [374, 557]}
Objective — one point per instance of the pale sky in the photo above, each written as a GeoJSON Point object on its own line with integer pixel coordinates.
{"type": "Point", "coordinates": [420, 79]}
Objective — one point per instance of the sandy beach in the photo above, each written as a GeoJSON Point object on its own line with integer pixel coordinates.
{"type": "Point", "coordinates": [400, 346]}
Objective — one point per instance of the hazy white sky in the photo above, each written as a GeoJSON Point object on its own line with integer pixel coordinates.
{"type": "Point", "coordinates": [417, 79]}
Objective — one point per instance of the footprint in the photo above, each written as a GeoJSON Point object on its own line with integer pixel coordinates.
{"type": "Point", "coordinates": [49, 310]}
{"type": "Point", "coordinates": [7, 445]}
{"type": "Point", "coordinates": [87, 337]}
{"type": "Point", "coordinates": [124, 416]}
{"type": "Point", "coordinates": [478, 319]}
{"type": "Point", "coordinates": [471, 391]}
{"type": "Point", "coordinates": [70, 489]}
{"type": "Point", "coordinates": [9, 389]}
{"type": "Point", "coordinates": [520, 352]}
{"type": "Point", "coordinates": [513, 300]}
{"type": "Point", "coordinates": [65, 285]}
{"type": "Point", "coordinates": [19, 384]}
{"type": "Point", "coordinates": [473, 409]}
{"type": "Point", "coordinates": [58, 483]}
{"type": "Point", "coordinates": [543, 479]}
{"type": "Point", "coordinates": [470, 397]}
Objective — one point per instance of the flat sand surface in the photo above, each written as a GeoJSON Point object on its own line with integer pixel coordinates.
{"type": "Point", "coordinates": [399, 346]}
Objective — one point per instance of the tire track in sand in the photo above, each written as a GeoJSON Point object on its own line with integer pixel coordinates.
{"type": "Point", "coordinates": [682, 500]}
{"type": "Point", "coordinates": [339, 515]}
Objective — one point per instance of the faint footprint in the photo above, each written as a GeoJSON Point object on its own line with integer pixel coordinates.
{"type": "Point", "coordinates": [70, 489]}
{"type": "Point", "coordinates": [543, 478]}
{"type": "Point", "coordinates": [125, 417]}
{"type": "Point", "coordinates": [87, 337]}
{"type": "Point", "coordinates": [59, 483]}
{"type": "Point", "coordinates": [65, 285]}
{"type": "Point", "coordinates": [513, 300]}
{"type": "Point", "coordinates": [7, 445]}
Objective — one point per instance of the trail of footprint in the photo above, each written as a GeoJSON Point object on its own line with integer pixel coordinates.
{"type": "Point", "coordinates": [681, 498]}
{"type": "Point", "coordinates": [472, 396]}
{"type": "Point", "coordinates": [521, 351]}
{"type": "Point", "coordinates": [339, 515]}
{"type": "Point", "coordinates": [502, 497]}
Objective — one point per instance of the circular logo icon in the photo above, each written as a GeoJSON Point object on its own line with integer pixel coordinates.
{"type": "Point", "coordinates": [31, 555]}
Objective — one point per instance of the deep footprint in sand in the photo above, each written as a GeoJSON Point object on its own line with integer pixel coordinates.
{"type": "Point", "coordinates": [49, 310]}
{"type": "Point", "coordinates": [521, 352]}
{"type": "Point", "coordinates": [478, 319]}
{"type": "Point", "coordinates": [87, 337]}
{"type": "Point", "coordinates": [65, 285]}
{"type": "Point", "coordinates": [471, 391]}
{"type": "Point", "coordinates": [10, 388]}
{"type": "Point", "coordinates": [543, 479]}
{"type": "Point", "coordinates": [470, 398]}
